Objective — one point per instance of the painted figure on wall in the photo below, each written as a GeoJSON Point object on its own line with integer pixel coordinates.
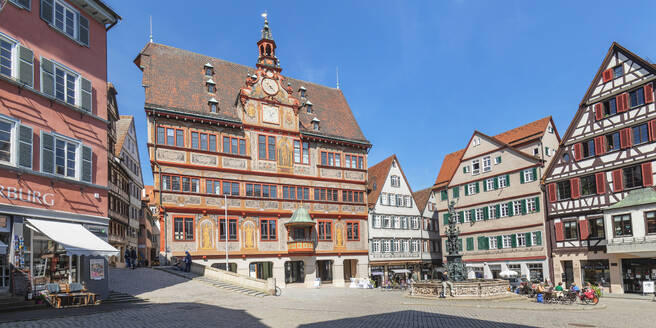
{"type": "Point", "coordinates": [285, 152]}
{"type": "Point", "coordinates": [207, 240]}
{"type": "Point", "coordinates": [339, 235]}
{"type": "Point", "coordinates": [249, 235]}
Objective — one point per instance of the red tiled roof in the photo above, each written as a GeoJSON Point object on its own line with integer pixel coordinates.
{"type": "Point", "coordinates": [122, 128]}
{"type": "Point", "coordinates": [512, 137]}
{"type": "Point", "coordinates": [421, 198]}
{"type": "Point", "coordinates": [175, 80]}
{"type": "Point", "coordinates": [377, 176]}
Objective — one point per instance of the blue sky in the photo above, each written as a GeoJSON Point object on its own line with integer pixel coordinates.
{"type": "Point", "coordinates": [420, 76]}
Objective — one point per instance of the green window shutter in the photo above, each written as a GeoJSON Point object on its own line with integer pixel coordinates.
{"type": "Point", "coordinates": [83, 30]}
{"type": "Point", "coordinates": [444, 194]}
{"type": "Point", "coordinates": [511, 212]}
{"type": "Point", "coordinates": [521, 176]}
{"type": "Point", "coordinates": [460, 244]}
{"type": "Point", "coordinates": [499, 159]}
{"type": "Point", "coordinates": [477, 188]}
{"type": "Point", "coordinates": [25, 142]}
{"type": "Point", "coordinates": [47, 77]}
{"type": "Point", "coordinates": [86, 94]}
{"type": "Point", "coordinates": [461, 217]}
{"type": "Point", "coordinates": [537, 204]}
{"type": "Point", "coordinates": [484, 185]}
{"type": "Point", "coordinates": [486, 213]}
{"type": "Point", "coordinates": [470, 243]}
{"type": "Point", "coordinates": [481, 243]}
{"type": "Point", "coordinates": [535, 174]}
{"type": "Point", "coordinates": [496, 183]}
{"type": "Point", "coordinates": [472, 215]}
{"type": "Point", "coordinates": [47, 153]}
{"type": "Point", "coordinates": [538, 238]}
{"type": "Point", "coordinates": [25, 66]}
{"type": "Point", "coordinates": [523, 206]}
{"type": "Point", "coordinates": [445, 218]}
{"type": "Point", "coordinates": [87, 163]}
{"type": "Point", "coordinates": [456, 192]}
{"type": "Point", "coordinates": [513, 240]}
{"type": "Point", "coordinates": [528, 239]}
{"type": "Point", "coordinates": [466, 190]}
{"type": "Point", "coordinates": [507, 180]}
{"type": "Point", "coordinates": [46, 10]}
{"type": "Point", "coordinates": [546, 150]}
{"type": "Point", "coordinates": [499, 242]}
{"type": "Point", "coordinates": [464, 169]}
{"type": "Point", "coordinates": [498, 212]}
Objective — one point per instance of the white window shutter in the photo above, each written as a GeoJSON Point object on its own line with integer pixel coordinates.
{"type": "Point", "coordinates": [47, 77]}
{"type": "Point", "coordinates": [47, 10]}
{"type": "Point", "coordinates": [85, 94]}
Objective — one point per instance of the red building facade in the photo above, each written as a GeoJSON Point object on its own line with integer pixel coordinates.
{"type": "Point", "coordinates": [53, 125]}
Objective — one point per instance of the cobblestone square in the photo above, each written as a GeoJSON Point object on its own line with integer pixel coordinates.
{"type": "Point", "coordinates": [176, 302]}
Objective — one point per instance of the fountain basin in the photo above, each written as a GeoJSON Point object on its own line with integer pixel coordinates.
{"type": "Point", "coordinates": [475, 288]}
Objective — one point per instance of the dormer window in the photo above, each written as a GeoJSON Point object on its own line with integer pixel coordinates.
{"type": "Point", "coordinates": [211, 86]}
{"type": "Point", "coordinates": [315, 124]}
{"type": "Point", "coordinates": [214, 105]}
{"type": "Point", "coordinates": [209, 69]}
{"type": "Point", "coordinates": [301, 91]}
{"type": "Point", "coordinates": [308, 105]}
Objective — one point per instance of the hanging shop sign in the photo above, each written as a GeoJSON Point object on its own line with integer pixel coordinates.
{"type": "Point", "coordinates": [29, 196]}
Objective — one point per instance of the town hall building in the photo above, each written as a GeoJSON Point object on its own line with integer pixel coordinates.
{"type": "Point", "coordinates": [283, 160]}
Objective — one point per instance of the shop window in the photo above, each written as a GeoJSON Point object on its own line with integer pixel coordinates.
{"type": "Point", "coordinates": [622, 225]}
{"type": "Point", "coordinates": [596, 272]}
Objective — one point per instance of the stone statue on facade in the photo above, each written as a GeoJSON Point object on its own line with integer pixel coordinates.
{"type": "Point", "coordinates": [454, 264]}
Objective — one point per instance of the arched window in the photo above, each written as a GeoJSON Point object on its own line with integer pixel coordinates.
{"type": "Point", "coordinates": [268, 50]}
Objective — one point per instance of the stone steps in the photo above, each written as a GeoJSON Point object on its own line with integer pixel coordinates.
{"type": "Point", "coordinates": [116, 297]}
{"type": "Point", "coordinates": [8, 304]}
{"type": "Point", "coordinates": [215, 283]}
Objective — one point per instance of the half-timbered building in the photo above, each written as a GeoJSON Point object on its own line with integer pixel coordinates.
{"type": "Point", "coordinates": [494, 183]}
{"type": "Point", "coordinates": [606, 155]}
{"type": "Point", "coordinates": [236, 150]}
{"type": "Point", "coordinates": [431, 257]}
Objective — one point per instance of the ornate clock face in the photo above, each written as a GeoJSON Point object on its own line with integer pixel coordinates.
{"type": "Point", "coordinates": [270, 86]}
{"type": "Point", "coordinates": [270, 114]}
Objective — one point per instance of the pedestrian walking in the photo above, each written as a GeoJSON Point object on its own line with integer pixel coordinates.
{"type": "Point", "coordinates": [187, 261]}
{"type": "Point", "coordinates": [133, 257]}
{"type": "Point", "coordinates": [127, 257]}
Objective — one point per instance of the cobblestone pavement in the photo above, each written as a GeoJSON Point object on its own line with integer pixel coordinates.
{"type": "Point", "coordinates": [177, 302]}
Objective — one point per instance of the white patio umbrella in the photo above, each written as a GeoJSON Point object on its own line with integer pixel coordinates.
{"type": "Point", "coordinates": [508, 274]}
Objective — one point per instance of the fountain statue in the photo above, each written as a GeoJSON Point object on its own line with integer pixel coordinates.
{"type": "Point", "coordinates": [455, 267]}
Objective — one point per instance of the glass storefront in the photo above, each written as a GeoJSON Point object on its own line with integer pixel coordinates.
{"type": "Point", "coordinates": [595, 272]}
{"type": "Point", "coordinates": [635, 271]}
{"type": "Point", "coordinates": [49, 262]}
{"type": "Point", "coordinates": [535, 272]}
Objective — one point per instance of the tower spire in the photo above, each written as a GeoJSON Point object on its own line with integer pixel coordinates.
{"type": "Point", "coordinates": [267, 48]}
{"type": "Point", "coordinates": [266, 32]}
{"type": "Point", "coordinates": [151, 28]}
{"type": "Point", "coordinates": [337, 71]}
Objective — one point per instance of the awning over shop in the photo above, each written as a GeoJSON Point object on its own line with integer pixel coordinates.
{"type": "Point", "coordinates": [73, 237]}
{"type": "Point", "coordinates": [3, 248]}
